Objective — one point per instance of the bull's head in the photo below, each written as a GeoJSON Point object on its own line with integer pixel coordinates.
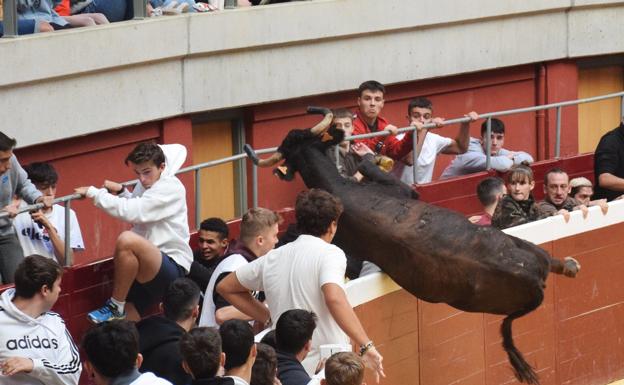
{"type": "Point", "coordinates": [322, 136]}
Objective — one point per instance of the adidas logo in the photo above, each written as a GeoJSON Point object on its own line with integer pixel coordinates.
{"type": "Point", "coordinates": [32, 343]}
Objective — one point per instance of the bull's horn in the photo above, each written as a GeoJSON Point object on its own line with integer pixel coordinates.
{"type": "Point", "coordinates": [322, 125]}
{"type": "Point", "coordinates": [251, 153]}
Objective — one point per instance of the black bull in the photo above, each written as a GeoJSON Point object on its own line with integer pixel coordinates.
{"type": "Point", "coordinates": [434, 253]}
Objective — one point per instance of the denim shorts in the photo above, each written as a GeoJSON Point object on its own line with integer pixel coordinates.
{"type": "Point", "coordinates": [144, 295]}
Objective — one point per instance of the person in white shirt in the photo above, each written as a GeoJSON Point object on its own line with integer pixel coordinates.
{"type": "Point", "coordinates": [419, 111]}
{"type": "Point", "coordinates": [305, 274]}
{"type": "Point", "coordinates": [35, 346]}
{"type": "Point", "coordinates": [43, 232]}
{"type": "Point", "coordinates": [156, 251]}
{"type": "Point", "coordinates": [474, 160]}
{"type": "Point", "coordinates": [258, 235]}
{"type": "Point", "coordinates": [112, 355]}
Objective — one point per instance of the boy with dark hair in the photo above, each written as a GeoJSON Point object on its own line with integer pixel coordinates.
{"type": "Point", "coordinates": [212, 239]}
{"type": "Point", "coordinates": [43, 231]}
{"type": "Point", "coordinates": [237, 341]}
{"type": "Point", "coordinates": [202, 356]}
{"type": "Point", "coordinates": [159, 335]}
{"type": "Point", "coordinates": [370, 102]}
{"type": "Point", "coordinates": [419, 113]}
{"type": "Point", "coordinates": [258, 235]}
{"type": "Point", "coordinates": [305, 274]}
{"type": "Point", "coordinates": [489, 192]}
{"type": "Point", "coordinates": [344, 368]}
{"type": "Point", "coordinates": [156, 251]}
{"type": "Point", "coordinates": [293, 336]}
{"type": "Point", "coordinates": [35, 346]}
{"type": "Point", "coordinates": [112, 350]}
{"type": "Point", "coordinates": [474, 160]}
{"type": "Point", "coordinates": [15, 182]}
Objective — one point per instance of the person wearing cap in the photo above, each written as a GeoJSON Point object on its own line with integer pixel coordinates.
{"type": "Point", "coordinates": [582, 190]}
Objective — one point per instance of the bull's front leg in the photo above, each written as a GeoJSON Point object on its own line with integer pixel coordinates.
{"type": "Point", "coordinates": [568, 267]}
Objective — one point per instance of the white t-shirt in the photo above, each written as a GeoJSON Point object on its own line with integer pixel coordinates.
{"type": "Point", "coordinates": [292, 276]}
{"type": "Point", "coordinates": [150, 379]}
{"type": "Point", "coordinates": [35, 239]}
{"type": "Point", "coordinates": [433, 145]}
{"type": "Point", "coordinates": [229, 264]}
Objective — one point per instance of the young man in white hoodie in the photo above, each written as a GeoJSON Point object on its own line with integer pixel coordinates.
{"type": "Point", "coordinates": [156, 251]}
{"type": "Point", "coordinates": [35, 346]}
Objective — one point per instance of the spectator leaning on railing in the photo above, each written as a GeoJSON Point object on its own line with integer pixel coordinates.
{"type": "Point", "coordinates": [13, 182]}
{"type": "Point", "coordinates": [474, 160]}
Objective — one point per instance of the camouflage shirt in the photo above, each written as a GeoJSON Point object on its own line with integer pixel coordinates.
{"type": "Point", "coordinates": [510, 213]}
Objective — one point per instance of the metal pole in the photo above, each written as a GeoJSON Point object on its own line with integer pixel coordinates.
{"type": "Point", "coordinates": [558, 134]}
{"type": "Point", "coordinates": [9, 9]}
{"type": "Point", "coordinates": [197, 198]}
{"type": "Point", "coordinates": [140, 9]}
{"type": "Point", "coordinates": [488, 143]}
{"type": "Point", "coordinates": [68, 256]}
{"type": "Point", "coordinates": [254, 184]}
{"type": "Point", "coordinates": [415, 155]}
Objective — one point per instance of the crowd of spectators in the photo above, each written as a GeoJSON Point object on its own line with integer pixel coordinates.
{"type": "Point", "coordinates": [247, 284]}
{"type": "Point", "coordinates": [36, 16]}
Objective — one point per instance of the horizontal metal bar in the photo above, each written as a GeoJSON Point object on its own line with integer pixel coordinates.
{"type": "Point", "coordinates": [39, 206]}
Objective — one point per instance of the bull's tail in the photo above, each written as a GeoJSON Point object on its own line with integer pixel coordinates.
{"type": "Point", "coordinates": [522, 370]}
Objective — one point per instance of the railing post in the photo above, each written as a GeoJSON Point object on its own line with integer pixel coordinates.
{"type": "Point", "coordinates": [254, 185]}
{"type": "Point", "coordinates": [68, 256]}
{"type": "Point", "coordinates": [140, 9]}
{"type": "Point", "coordinates": [558, 133]}
{"type": "Point", "coordinates": [9, 9]}
{"type": "Point", "coordinates": [197, 198]}
{"type": "Point", "coordinates": [488, 143]}
{"type": "Point", "coordinates": [415, 155]}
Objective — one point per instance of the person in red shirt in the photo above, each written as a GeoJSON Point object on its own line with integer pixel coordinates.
{"type": "Point", "coordinates": [370, 103]}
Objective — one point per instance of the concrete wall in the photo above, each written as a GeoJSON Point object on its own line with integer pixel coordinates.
{"type": "Point", "coordinates": [77, 82]}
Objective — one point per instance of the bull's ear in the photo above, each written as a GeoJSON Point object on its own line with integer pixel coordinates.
{"type": "Point", "coordinates": [333, 136]}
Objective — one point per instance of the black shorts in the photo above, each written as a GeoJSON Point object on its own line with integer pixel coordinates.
{"type": "Point", "coordinates": [144, 295]}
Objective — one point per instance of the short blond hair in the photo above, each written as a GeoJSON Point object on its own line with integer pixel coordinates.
{"type": "Point", "coordinates": [255, 221]}
{"type": "Point", "coordinates": [344, 368]}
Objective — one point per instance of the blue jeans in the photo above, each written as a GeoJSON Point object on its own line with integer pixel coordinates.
{"type": "Point", "coordinates": [114, 10]}
{"type": "Point", "coordinates": [160, 3]}
{"type": "Point", "coordinates": [24, 27]}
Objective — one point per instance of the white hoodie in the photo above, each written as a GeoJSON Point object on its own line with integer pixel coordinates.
{"type": "Point", "coordinates": [45, 340]}
{"type": "Point", "coordinates": [159, 213]}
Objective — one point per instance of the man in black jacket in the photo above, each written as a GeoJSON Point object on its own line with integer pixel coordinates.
{"type": "Point", "coordinates": [293, 337]}
{"type": "Point", "coordinates": [609, 165]}
{"type": "Point", "coordinates": [159, 336]}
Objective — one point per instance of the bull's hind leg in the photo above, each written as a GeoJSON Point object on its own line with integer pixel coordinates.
{"type": "Point", "coordinates": [568, 267]}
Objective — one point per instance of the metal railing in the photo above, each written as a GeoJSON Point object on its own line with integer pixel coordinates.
{"type": "Point", "coordinates": [198, 167]}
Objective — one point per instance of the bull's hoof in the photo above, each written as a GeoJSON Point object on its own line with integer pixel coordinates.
{"type": "Point", "coordinates": [251, 153]}
{"type": "Point", "coordinates": [571, 267]}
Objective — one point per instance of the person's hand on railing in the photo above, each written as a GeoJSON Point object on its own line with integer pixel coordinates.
{"type": "Point", "coordinates": [392, 129]}
{"type": "Point", "coordinates": [13, 208]}
{"type": "Point", "coordinates": [417, 124]}
{"type": "Point", "coordinates": [46, 200]}
{"type": "Point", "coordinates": [361, 149]}
{"type": "Point", "coordinates": [82, 191]}
{"type": "Point", "coordinates": [473, 116]}
{"type": "Point", "coordinates": [439, 122]}
{"type": "Point", "coordinates": [565, 213]}
{"type": "Point", "coordinates": [113, 187]}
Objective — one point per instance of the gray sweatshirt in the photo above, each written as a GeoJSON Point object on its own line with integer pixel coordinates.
{"type": "Point", "coordinates": [473, 160]}
{"type": "Point", "coordinates": [15, 182]}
